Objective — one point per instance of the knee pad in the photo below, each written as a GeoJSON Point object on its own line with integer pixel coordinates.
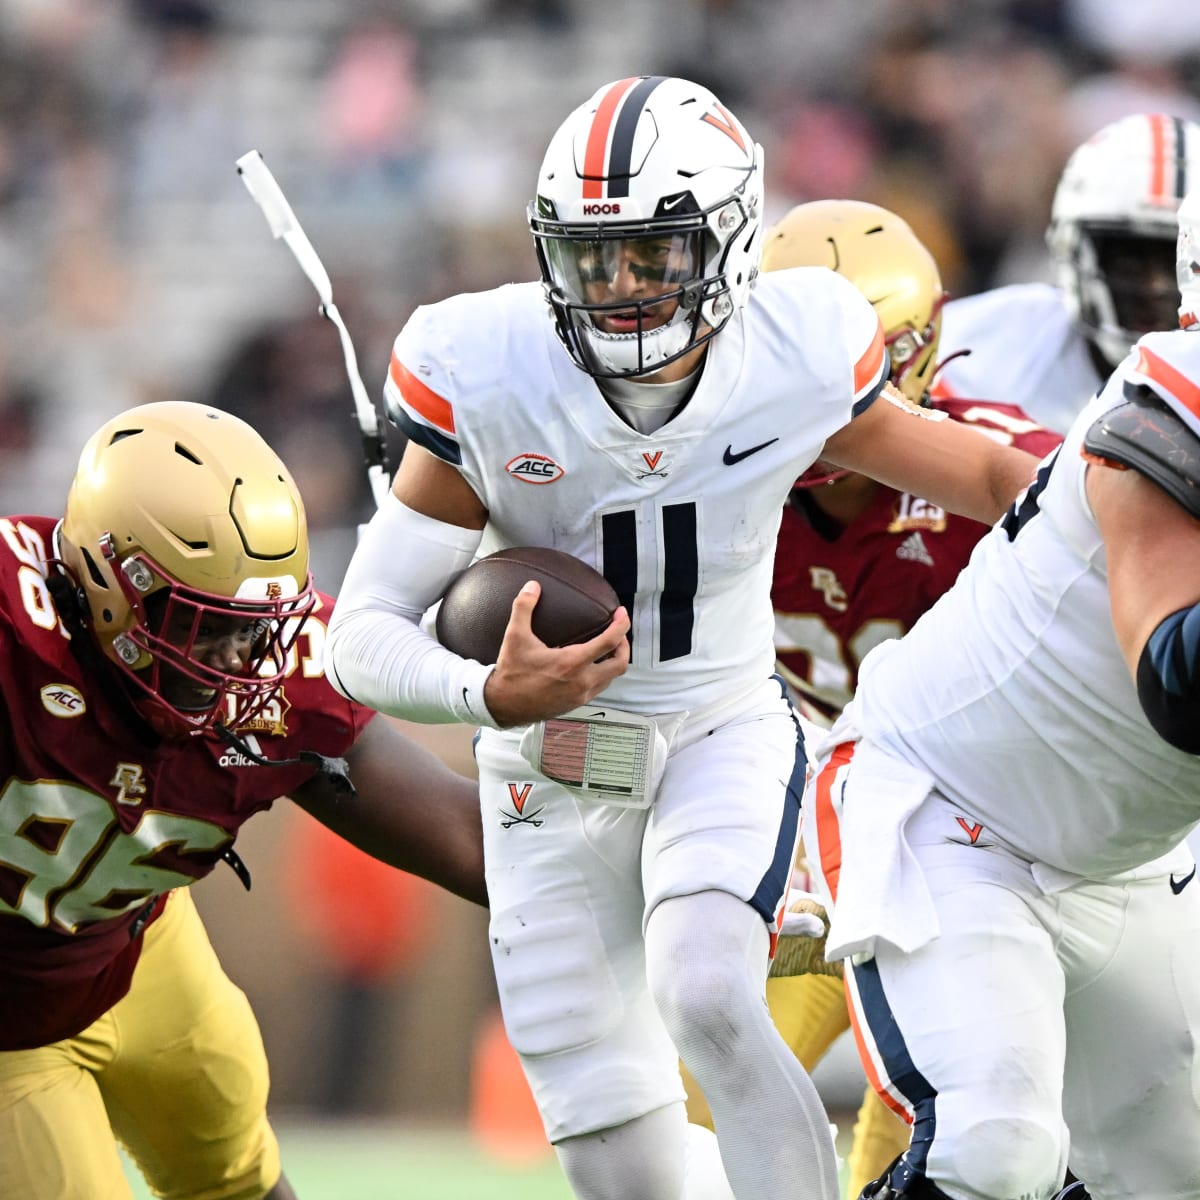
{"type": "Point", "coordinates": [994, 1157]}
{"type": "Point", "coordinates": [1009, 1156]}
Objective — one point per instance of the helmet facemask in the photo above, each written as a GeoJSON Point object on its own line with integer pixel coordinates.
{"type": "Point", "coordinates": [1125, 283]}
{"type": "Point", "coordinates": [671, 292]}
{"type": "Point", "coordinates": [167, 651]}
{"type": "Point", "coordinates": [647, 225]}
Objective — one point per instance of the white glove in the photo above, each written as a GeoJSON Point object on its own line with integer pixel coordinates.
{"type": "Point", "coordinates": [801, 920]}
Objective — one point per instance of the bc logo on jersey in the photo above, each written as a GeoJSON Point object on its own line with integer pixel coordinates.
{"type": "Point", "coordinates": [127, 779]}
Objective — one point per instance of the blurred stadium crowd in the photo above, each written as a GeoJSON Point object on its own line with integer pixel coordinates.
{"type": "Point", "coordinates": [407, 132]}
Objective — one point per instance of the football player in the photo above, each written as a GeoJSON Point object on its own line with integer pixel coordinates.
{"type": "Point", "coordinates": [999, 812]}
{"type": "Point", "coordinates": [638, 849]}
{"type": "Point", "coordinates": [1112, 236]}
{"type": "Point", "coordinates": [161, 671]}
{"type": "Point", "coordinates": [857, 562]}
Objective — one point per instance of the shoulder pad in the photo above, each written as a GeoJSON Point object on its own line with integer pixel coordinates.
{"type": "Point", "coordinates": [1147, 436]}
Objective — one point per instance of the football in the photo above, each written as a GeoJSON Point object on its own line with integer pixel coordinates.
{"type": "Point", "coordinates": [576, 603]}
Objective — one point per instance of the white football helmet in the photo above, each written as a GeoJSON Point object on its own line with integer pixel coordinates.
{"type": "Point", "coordinates": [658, 170]}
{"type": "Point", "coordinates": [1187, 261]}
{"type": "Point", "coordinates": [1113, 227]}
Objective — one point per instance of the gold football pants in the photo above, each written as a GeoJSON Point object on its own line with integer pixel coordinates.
{"type": "Point", "coordinates": [175, 1071]}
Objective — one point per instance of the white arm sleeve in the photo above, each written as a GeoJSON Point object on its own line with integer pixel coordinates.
{"type": "Point", "coordinates": [376, 652]}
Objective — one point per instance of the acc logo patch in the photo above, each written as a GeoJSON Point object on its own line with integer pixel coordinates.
{"type": "Point", "coordinates": [534, 468]}
{"type": "Point", "coordinates": [63, 700]}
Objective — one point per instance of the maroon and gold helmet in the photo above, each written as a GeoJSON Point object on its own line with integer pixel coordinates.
{"type": "Point", "coordinates": [879, 253]}
{"type": "Point", "coordinates": [182, 522]}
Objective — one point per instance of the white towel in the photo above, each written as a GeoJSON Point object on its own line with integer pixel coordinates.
{"type": "Point", "coordinates": [882, 893]}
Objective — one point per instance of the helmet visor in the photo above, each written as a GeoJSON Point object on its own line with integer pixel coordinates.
{"type": "Point", "coordinates": [597, 273]}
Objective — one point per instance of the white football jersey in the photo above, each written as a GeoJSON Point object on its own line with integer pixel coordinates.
{"type": "Point", "coordinates": [1025, 349]}
{"type": "Point", "coordinates": [1012, 692]}
{"type": "Point", "coordinates": [682, 521]}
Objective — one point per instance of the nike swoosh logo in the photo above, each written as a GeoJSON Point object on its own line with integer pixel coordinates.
{"type": "Point", "coordinates": [1177, 886]}
{"type": "Point", "coordinates": [729, 458]}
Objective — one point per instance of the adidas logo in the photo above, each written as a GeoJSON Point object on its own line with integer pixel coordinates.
{"type": "Point", "coordinates": [236, 759]}
{"type": "Point", "coordinates": [914, 549]}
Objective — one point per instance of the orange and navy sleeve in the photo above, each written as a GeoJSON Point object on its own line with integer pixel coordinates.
{"type": "Point", "coordinates": [872, 366]}
{"type": "Point", "coordinates": [1169, 382]}
{"type": "Point", "coordinates": [415, 398]}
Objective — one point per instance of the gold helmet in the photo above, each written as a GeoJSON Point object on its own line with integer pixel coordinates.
{"type": "Point", "coordinates": [879, 253]}
{"type": "Point", "coordinates": [182, 522]}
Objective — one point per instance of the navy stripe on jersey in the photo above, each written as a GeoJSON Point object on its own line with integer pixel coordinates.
{"type": "Point", "coordinates": [437, 443]}
{"type": "Point", "coordinates": [899, 1070]}
{"type": "Point", "coordinates": [774, 883]}
{"type": "Point", "coordinates": [620, 566]}
{"type": "Point", "coordinates": [681, 571]}
{"type": "Point", "coordinates": [620, 154]}
{"type": "Point", "coordinates": [1030, 504]}
{"type": "Point", "coordinates": [862, 405]}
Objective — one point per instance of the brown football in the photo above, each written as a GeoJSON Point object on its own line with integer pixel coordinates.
{"type": "Point", "coordinates": [576, 603]}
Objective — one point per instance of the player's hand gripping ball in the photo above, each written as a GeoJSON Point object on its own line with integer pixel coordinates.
{"type": "Point", "coordinates": [576, 603]}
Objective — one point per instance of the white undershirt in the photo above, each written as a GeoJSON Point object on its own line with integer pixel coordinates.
{"type": "Point", "coordinates": [646, 406]}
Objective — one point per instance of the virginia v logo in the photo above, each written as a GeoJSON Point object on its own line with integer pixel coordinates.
{"type": "Point", "coordinates": [652, 460]}
{"type": "Point", "coordinates": [518, 794]}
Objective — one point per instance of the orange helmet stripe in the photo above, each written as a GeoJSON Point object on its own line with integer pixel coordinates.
{"type": "Point", "coordinates": [1158, 157]}
{"type": "Point", "coordinates": [598, 135]}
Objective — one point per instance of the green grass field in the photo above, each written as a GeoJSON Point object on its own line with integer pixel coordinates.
{"type": "Point", "coordinates": [356, 1161]}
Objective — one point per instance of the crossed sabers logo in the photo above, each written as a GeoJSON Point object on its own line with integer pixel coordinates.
{"type": "Point", "coordinates": [651, 459]}
{"type": "Point", "coordinates": [518, 793]}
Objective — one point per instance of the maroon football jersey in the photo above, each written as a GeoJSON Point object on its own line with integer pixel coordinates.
{"type": "Point", "coordinates": [838, 592]}
{"type": "Point", "coordinates": [98, 816]}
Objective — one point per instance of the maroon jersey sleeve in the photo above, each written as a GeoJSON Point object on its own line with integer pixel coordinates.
{"type": "Point", "coordinates": [838, 593]}
{"type": "Point", "coordinates": [98, 818]}
{"type": "Point", "coordinates": [1005, 423]}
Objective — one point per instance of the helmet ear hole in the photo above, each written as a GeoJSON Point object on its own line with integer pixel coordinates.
{"type": "Point", "coordinates": [93, 570]}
